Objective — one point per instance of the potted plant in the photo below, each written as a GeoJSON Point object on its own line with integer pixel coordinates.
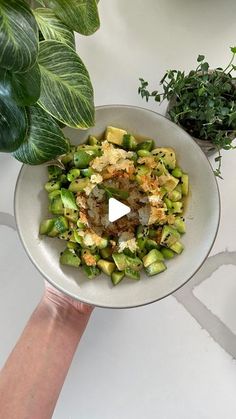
{"type": "Point", "coordinates": [44, 84]}
{"type": "Point", "coordinates": [203, 102]}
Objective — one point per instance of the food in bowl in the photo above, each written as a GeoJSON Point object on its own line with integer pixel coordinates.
{"type": "Point", "coordinates": [136, 173]}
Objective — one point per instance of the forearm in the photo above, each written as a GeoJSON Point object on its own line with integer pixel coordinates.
{"type": "Point", "coordinates": [41, 360]}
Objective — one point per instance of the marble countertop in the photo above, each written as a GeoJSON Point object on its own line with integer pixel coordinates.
{"type": "Point", "coordinates": [174, 359]}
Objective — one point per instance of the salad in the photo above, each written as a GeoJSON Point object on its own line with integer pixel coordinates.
{"type": "Point", "coordinates": [137, 173]}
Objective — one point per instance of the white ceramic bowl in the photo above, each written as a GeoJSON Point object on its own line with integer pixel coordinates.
{"type": "Point", "coordinates": [202, 216]}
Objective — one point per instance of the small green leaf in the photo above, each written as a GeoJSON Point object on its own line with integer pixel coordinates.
{"type": "Point", "coordinates": [26, 86]}
{"type": "Point", "coordinates": [19, 36]}
{"type": "Point", "coordinates": [53, 28]}
{"type": "Point", "coordinates": [205, 67]}
{"type": "Point", "coordinates": [66, 89]}
{"type": "Point", "coordinates": [68, 199]}
{"type": "Point", "coordinates": [80, 16]}
{"type": "Point", "coordinates": [233, 50]}
{"type": "Point", "coordinates": [45, 140]}
{"type": "Point", "coordinates": [200, 58]}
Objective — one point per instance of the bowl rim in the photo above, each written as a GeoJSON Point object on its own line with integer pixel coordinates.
{"type": "Point", "coordinates": [138, 305]}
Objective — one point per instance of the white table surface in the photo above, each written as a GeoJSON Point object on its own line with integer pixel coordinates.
{"type": "Point", "coordinates": [173, 359]}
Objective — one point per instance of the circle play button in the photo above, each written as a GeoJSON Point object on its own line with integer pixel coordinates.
{"type": "Point", "coordinates": [117, 210]}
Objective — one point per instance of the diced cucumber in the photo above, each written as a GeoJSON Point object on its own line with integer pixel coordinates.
{"type": "Point", "coordinates": [106, 266]}
{"type": "Point", "coordinates": [168, 203]}
{"type": "Point", "coordinates": [134, 263]}
{"type": "Point", "coordinates": [153, 256]}
{"type": "Point", "coordinates": [177, 172]}
{"type": "Point", "coordinates": [91, 271]}
{"type": "Point", "coordinates": [170, 183]}
{"type": "Point", "coordinates": [152, 233]}
{"type": "Point", "coordinates": [72, 246]}
{"type": "Point", "coordinates": [68, 199]}
{"type": "Point", "coordinates": [160, 169]}
{"type": "Point", "coordinates": [141, 243]}
{"type": "Point", "coordinates": [115, 135]}
{"type": "Point", "coordinates": [46, 226]}
{"type": "Point", "coordinates": [53, 194]}
{"type": "Point", "coordinates": [80, 225]}
{"type": "Point", "coordinates": [142, 231]}
{"type": "Point", "coordinates": [67, 158]}
{"type": "Point", "coordinates": [54, 172]}
{"type": "Point", "coordinates": [77, 237]}
{"type": "Point", "coordinates": [155, 268]}
{"type": "Point", "coordinates": [143, 153]}
{"type": "Point", "coordinates": [116, 277]}
{"type": "Point", "coordinates": [169, 236]}
{"type": "Point", "coordinates": [78, 185]}
{"type": "Point", "coordinates": [53, 185]}
{"type": "Point", "coordinates": [61, 224]}
{"type": "Point", "coordinates": [167, 253]}
{"type": "Point", "coordinates": [82, 158]}
{"type": "Point", "coordinates": [73, 174]}
{"type": "Point", "coordinates": [120, 261]}
{"type": "Point", "coordinates": [151, 244]}
{"type": "Point", "coordinates": [71, 214]}
{"type": "Point", "coordinates": [56, 206]}
{"type": "Point", "coordinates": [177, 207]}
{"type": "Point", "coordinates": [143, 170]}
{"type": "Point", "coordinates": [180, 225]}
{"type": "Point", "coordinates": [128, 252]}
{"type": "Point", "coordinates": [185, 184]}
{"type": "Point", "coordinates": [167, 155]}
{"type": "Point", "coordinates": [174, 195]}
{"type": "Point", "coordinates": [70, 258]}
{"type": "Point", "coordinates": [177, 247]}
{"type": "Point", "coordinates": [129, 142]}
{"type": "Point", "coordinates": [146, 145]}
{"type": "Point", "coordinates": [132, 274]}
{"type": "Point", "coordinates": [102, 243]}
{"type": "Point", "coordinates": [67, 235]}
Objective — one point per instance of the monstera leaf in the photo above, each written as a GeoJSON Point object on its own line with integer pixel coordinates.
{"type": "Point", "coordinates": [13, 118]}
{"type": "Point", "coordinates": [26, 86]}
{"type": "Point", "coordinates": [80, 15]}
{"type": "Point", "coordinates": [53, 28]}
{"type": "Point", "coordinates": [19, 36]}
{"type": "Point", "coordinates": [66, 90]}
{"type": "Point", "coordinates": [45, 140]}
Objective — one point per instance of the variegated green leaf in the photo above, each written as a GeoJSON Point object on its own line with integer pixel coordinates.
{"type": "Point", "coordinates": [53, 28]}
{"type": "Point", "coordinates": [13, 118]}
{"type": "Point", "coordinates": [45, 140]}
{"type": "Point", "coordinates": [66, 89]}
{"type": "Point", "coordinates": [19, 36]}
{"type": "Point", "coordinates": [80, 15]}
{"type": "Point", "coordinates": [26, 86]}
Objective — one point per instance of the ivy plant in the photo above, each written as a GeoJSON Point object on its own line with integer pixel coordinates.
{"type": "Point", "coordinates": [203, 102]}
{"type": "Point", "coordinates": [44, 84]}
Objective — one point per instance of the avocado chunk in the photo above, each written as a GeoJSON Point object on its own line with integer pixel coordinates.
{"type": "Point", "coordinates": [146, 145]}
{"type": "Point", "coordinates": [167, 155]}
{"type": "Point", "coordinates": [53, 185]}
{"type": "Point", "coordinates": [61, 224]}
{"type": "Point", "coordinates": [132, 274]}
{"type": "Point", "coordinates": [177, 247]}
{"type": "Point", "coordinates": [174, 195]}
{"type": "Point", "coordinates": [82, 158]}
{"type": "Point", "coordinates": [115, 135]}
{"type": "Point", "coordinates": [151, 244]}
{"type": "Point", "coordinates": [177, 207]}
{"type": "Point", "coordinates": [91, 271]}
{"type": "Point", "coordinates": [120, 261]}
{"type": "Point", "coordinates": [70, 258]}
{"type": "Point", "coordinates": [106, 266]}
{"type": "Point", "coordinates": [155, 268]}
{"type": "Point", "coordinates": [153, 256]}
{"type": "Point", "coordinates": [116, 277]}
{"type": "Point", "coordinates": [169, 236]}
{"type": "Point", "coordinates": [46, 226]}
{"type": "Point", "coordinates": [168, 182]}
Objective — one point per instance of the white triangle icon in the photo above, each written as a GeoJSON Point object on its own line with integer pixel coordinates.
{"type": "Point", "coordinates": [117, 210]}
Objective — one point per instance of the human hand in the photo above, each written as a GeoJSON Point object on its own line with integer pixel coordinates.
{"type": "Point", "coordinates": [60, 300]}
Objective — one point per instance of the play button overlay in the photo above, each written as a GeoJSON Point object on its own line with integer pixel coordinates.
{"type": "Point", "coordinates": [117, 210]}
